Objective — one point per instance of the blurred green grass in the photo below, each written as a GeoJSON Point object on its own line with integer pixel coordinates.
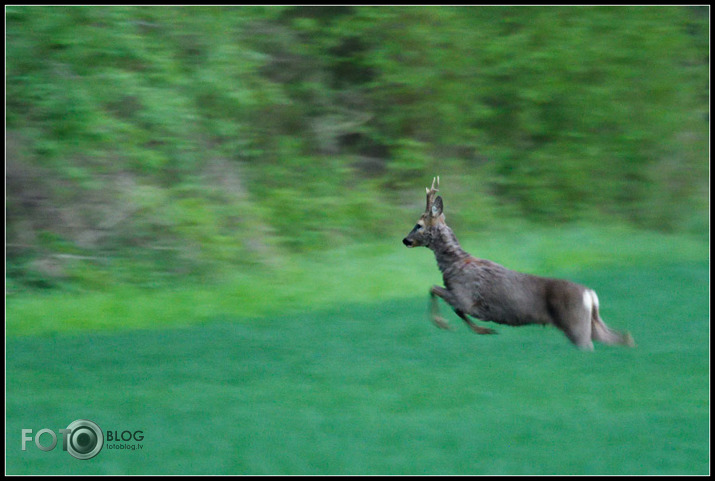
{"type": "Point", "coordinates": [376, 389]}
{"type": "Point", "coordinates": [372, 272]}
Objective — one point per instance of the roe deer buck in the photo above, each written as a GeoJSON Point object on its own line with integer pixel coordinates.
{"type": "Point", "coordinates": [491, 292]}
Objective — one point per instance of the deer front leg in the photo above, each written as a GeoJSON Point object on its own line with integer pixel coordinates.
{"type": "Point", "coordinates": [438, 320]}
{"type": "Point", "coordinates": [474, 327]}
{"type": "Point", "coordinates": [437, 291]}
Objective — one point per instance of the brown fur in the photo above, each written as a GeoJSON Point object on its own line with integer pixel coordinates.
{"type": "Point", "coordinates": [488, 291]}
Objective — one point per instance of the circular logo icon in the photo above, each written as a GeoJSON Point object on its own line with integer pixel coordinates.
{"type": "Point", "coordinates": [85, 439]}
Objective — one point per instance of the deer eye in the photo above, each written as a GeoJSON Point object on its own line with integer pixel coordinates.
{"type": "Point", "coordinates": [418, 227]}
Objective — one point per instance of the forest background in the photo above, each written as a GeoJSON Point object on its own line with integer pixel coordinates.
{"type": "Point", "coordinates": [146, 145]}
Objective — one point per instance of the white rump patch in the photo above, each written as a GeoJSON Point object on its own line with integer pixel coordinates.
{"type": "Point", "coordinates": [588, 298]}
{"type": "Point", "coordinates": [595, 298]}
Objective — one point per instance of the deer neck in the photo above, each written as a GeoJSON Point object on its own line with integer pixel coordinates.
{"type": "Point", "coordinates": [446, 248]}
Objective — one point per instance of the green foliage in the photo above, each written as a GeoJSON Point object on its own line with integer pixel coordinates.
{"type": "Point", "coordinates": [189, 140]}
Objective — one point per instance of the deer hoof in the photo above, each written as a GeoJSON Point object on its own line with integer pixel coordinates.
{"type": "Point", "coordinates": [483, 330]}
{"type": "Point", "coordinates": [441, 323]}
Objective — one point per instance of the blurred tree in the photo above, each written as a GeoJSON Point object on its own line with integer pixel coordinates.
{"type": "Point", "coordinates": [330, 118]}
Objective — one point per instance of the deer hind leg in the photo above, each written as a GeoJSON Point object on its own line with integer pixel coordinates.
{"type": "Point", "coordinates": [576, 323]}
{"type": "Point", "coordinates": [601, 332]}
{"type": "Point", "coordinates": [580, 335]}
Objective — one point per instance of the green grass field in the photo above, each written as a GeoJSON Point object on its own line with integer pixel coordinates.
{"type": "Point", "coordinates": [371, 387]}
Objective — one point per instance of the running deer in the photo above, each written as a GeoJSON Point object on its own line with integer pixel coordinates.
{"type": "Point", "coordinates": [488, 291]}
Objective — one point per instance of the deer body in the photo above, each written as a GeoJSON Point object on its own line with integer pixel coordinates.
{"type": "Point", "coordinates": [488, 291]}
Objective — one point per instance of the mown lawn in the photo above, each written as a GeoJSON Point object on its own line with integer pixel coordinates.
{"type": "Point", "coordinates": [374, 388]}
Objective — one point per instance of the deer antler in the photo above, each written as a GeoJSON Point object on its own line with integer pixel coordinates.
{"type": "Point", "coordinates": [431, 193]}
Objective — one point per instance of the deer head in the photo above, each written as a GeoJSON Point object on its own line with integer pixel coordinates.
{"type": "Point", "coordinates": [422, 233]}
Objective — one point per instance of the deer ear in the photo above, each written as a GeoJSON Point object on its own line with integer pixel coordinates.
{"type": "Point", "coordinates": [437, 207]}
